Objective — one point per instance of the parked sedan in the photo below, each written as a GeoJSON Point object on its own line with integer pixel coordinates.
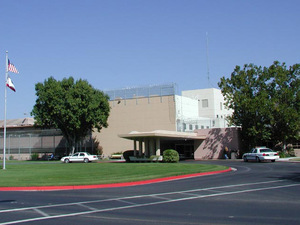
{"type": "Point", "coordinates": [261, 154]}
{"type": "Point", "coordinates": [79, 157]}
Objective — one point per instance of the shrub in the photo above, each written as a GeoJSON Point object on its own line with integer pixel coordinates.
{"type": "Point", "coordinates": [170, 156]}
{"type": "Point", "coordinates": [154, 158]}
{"type": "Point", "coordinates": [128, 153]}
{"type": "Point", "coordinates": [283, 154]}
{"type": "Point", "coordinates": [290, 150]}
{"type": "Point", "coordinates": [34, 156]}
{"type": "Point", "coordinates": [117, 153]}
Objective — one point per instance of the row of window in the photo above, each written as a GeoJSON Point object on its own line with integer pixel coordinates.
{"type": "Point", "coordinates": [193, 127]}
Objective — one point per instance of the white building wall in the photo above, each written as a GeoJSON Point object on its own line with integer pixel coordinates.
{"type": "Point", "coordinates": [187, 115]}
{"type": "Point", "coordinates": [211, 105]}
{"type": "Point", "coordinates": [186, 107]}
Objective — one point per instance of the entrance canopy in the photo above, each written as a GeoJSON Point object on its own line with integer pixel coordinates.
{"type": "Point", "coordinates": [163, 134]}
{"type": "Point", "coordinates": [153, 142]}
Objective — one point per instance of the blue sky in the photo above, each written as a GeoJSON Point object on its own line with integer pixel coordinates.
{"type": "Point", "coordinates": [129, 43]}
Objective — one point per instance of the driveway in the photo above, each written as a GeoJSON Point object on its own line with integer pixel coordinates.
{"type": "Point", "coordinates": [256, 193]}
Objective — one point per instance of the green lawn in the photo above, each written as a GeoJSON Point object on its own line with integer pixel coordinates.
{"type": "Point", "coordinates": [49, 174]}
{"type": "Point", "coordinates": [295, 159]}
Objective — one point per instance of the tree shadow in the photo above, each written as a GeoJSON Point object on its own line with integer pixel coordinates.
{"type": "Point", "coordinates": [7, 201]}
{"type": "Point", "coordinates": [218, 139]}
{"type": "Point", "coordinates": [295, 177]}
{"type": "Point", "coordinates": [90, 145]}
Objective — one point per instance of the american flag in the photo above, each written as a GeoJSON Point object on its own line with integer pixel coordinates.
{"type": "Point", "coordinates": [12, 68]}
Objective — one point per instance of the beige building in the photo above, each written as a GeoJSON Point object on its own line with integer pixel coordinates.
{"type": "Point", "coordinates": [146, 119]}
{"type": "Point", "coordinates": [138, 114]}
{"type": "Point", "coordinates": [152, 119]}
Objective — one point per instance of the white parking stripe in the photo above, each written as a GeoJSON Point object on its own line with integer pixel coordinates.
{"type": "Point", "coordinates": [88, 207]}
{"type": "Point", "coordinates": [140, 196]}
{"type": "Point", "coordinates": [41, 212]}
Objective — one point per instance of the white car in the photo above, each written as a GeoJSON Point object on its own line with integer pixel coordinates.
{"type": "Point", "coordinates": [79, 157]}
{"type": "Point", "coordinates": [261, 154]}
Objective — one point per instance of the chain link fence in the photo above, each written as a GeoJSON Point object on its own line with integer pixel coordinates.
{"type": "Point", "coordinates": [138, 92]}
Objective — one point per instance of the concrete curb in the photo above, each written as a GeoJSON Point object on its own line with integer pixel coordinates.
{"type": "Point", "coordinates": [288, 158]}
{"type": "Point", "coordinates": [126, 184]}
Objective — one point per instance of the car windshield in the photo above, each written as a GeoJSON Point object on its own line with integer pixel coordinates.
{"type": "Point", "coordinates": [266, 150]}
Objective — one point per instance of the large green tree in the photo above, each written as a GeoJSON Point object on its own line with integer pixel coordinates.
{"type": "Point", "coordinates": [74, 107]}
{"type": "Point", "coordinates": [265, 102]}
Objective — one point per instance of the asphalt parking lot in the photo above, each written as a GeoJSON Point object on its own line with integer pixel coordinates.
{"type": "Point", "coordinates": [260, 193]}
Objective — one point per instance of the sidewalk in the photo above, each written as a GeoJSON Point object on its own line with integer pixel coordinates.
{"type": "Point", "coordinates": [289, 159]}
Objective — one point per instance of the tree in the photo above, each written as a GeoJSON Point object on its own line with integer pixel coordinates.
{"type": "Point", "coordinates": [285, 92]}
{"type": "Point", "coordinates": [265, 102]}
{"type": "Point", "coordinates": [76, 108]}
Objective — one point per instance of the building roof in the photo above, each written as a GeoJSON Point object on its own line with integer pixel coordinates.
{"type": "Point", "coordinates": [28, 122]}
{"type": "Point", "coordinates": [163, 134]}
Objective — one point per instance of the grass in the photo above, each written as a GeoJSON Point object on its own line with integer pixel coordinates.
{"type": "Point", "coordinates": [48, 174]}
{"type": "Point", "coordinates": [295, 159]}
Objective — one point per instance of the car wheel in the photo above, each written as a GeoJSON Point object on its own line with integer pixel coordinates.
{"type": "Point", "coordinates": [67, 160]}
{"type": "Point", "coordinates": [86, 160]}
{"type": "Point", "coordinates": [245, 159]}
{"type": "Point", "coordinates": [257, 159]}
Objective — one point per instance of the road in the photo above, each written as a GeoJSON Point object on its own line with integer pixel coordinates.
{"type": "Point", "coordinates": [256, 193]}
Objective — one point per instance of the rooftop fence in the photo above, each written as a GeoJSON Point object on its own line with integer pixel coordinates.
{"type": "Point", "coordinates": [138, 92]}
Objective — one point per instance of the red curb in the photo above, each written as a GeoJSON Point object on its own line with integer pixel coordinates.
{"type": "Point", "coordinates": [126, 184]}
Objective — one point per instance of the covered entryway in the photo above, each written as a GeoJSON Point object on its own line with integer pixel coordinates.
{"type": "Point", "coordinates": [185, 151]}
{"type": "Point", "coordinates": [155, 142]}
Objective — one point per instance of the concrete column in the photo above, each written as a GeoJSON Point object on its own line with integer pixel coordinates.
{"type": "Point", "coordinates": [151, 146]}
{"type": "Point", "coordinates": [157, 146]}
{"type": "Point", "coordinates": [134, 148]}
{"type": "Point", "coordinates": [140, 147]}
{"type": "Point", "coordinates": [147, 152]}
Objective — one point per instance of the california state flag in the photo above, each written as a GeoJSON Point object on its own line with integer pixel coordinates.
{"type": "Point", "coordinates": [10, 84]}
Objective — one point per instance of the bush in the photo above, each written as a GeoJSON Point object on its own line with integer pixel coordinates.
{"type": "Point", "coordinates": [34, 156]}
{"type": "Point", "coordinates": [290, 150]}
{"type": "Point", "coordinates": [117, 153]}
{"type": "Point", "coordinates": [154, 158]}
{"type": "Point", "coordinates": [283, 154]}
{"type": "Point", "coordinates": [170, 156]}
{"type": "Point", "coordinates": [128, 153]}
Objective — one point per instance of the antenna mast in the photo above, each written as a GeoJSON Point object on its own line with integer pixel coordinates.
{"type": "Point", "coordinates": [207, 58]}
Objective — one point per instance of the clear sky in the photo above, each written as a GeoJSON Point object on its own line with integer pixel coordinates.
{"type": "Point", "coordinates": [116, 44]}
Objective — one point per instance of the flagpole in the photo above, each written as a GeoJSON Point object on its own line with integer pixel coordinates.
{"type": "Point", "coordinates": [4, 135]}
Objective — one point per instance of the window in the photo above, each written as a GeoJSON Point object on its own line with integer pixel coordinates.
{"type": "Point", "coordinates": [196, 127]}
{"type": "Point", "coordinates": [204, 103]}
{"type": "Point", "coordinates": [191, 127]}
{"type": "Point", "coordinates": [221, 106]}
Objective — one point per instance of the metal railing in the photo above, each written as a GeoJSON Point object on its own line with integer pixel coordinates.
{"type": "Point", "coordinates": [138, 92]}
